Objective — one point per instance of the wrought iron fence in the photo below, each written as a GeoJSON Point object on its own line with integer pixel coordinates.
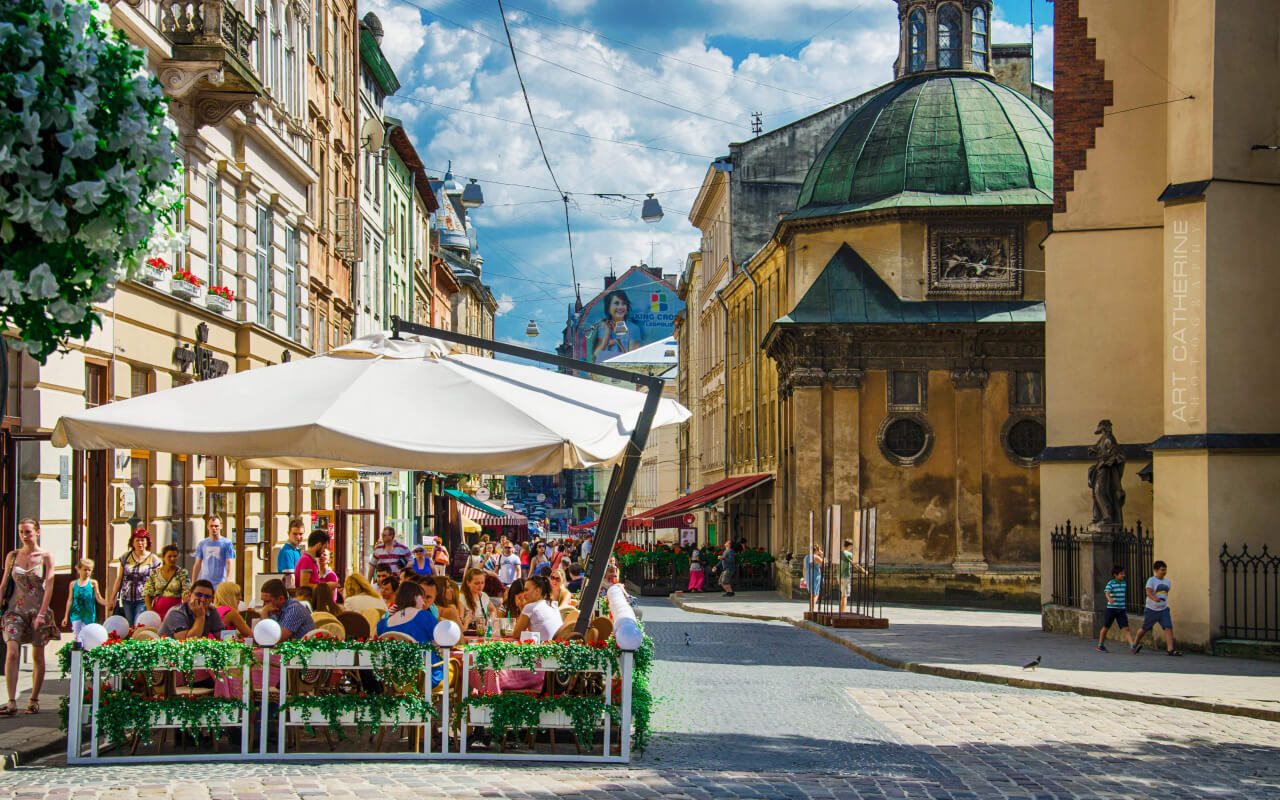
{"type": "Point", "coordinates": [1250, 594]}
{"type": "Point", "coordinates": [1134, 549]}
{"type": "Point", "coordinates": [1131, 548]}
{"type": "Point", "coordinates": [1065, 542]}
{"type": "Point", "coordinates": [846, 580]}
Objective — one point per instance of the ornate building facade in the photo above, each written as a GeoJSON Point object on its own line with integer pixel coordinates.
{"type": "Point", "coordinates": [881, 304]}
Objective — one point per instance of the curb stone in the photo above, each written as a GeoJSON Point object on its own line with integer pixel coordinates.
{"type": "Point", "coordinates": [676, 599]}
{"type": "Point", "coordinates": [12, 759]}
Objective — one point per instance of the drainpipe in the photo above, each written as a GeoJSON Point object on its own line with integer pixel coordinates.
{"type": "Point", "coordinates": [386, 242]}
{"type": "Point", "coordinates": [755, 367]}
{"type": "Point", "coordinates": [720, 299]}
{"type": "Point", "coordinates": [411, 489]}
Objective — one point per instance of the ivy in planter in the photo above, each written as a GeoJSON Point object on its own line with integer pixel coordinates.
{"type": "Point", "coordinates": [369, 709]}
{"type": "Point", "coordinates": [394, 663]}
{"type": "Point", "coordinates": [516, 712]}
{"type": "Point", "coordinates": [129, 656]}
{"type": "Point", "coordinates": [571, 656]}
{"type": "Point", "coordinates": [122, 714]}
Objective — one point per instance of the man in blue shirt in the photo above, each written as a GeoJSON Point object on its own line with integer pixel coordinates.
{"type": "Point", "coordinates": [294, 618]}
{"type": "Point", "coordinates": [287, 559]}
{"type": "Point", "coordinates": [214, 555]}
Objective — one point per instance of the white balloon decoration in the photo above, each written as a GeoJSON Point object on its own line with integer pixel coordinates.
{"type": "Point", "coordinates": [92, 635]}
{"type": "Point", "coordinates": [266, 632]}
{"type": "Point", "coordinates": [149, 619]}
{"type": "Point", "coordinates": [117, 624]}
{"type": "Point", "coordinates": [628, 634]}
{"type": "Point", "coordinates": [447, 633]}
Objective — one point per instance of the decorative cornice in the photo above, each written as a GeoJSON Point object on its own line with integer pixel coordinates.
{"type": "Point", "coordinates": [180, 78]}
{"type": "Point", "coordinates": [211, 108]}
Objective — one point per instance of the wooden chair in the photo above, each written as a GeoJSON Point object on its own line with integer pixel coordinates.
{"type": "Point", "coordinates": [600, 630]}
{"type": "Point", "coordinates": [322, 618]}
{"type": "Point", "coordinates": [305, 682]}
{"type": "Point", "coordinates": [355, 625]}
{"type": "Point", "coordinates": [144, 634]}
{"type": "Point", "coordinates": [334, 629]}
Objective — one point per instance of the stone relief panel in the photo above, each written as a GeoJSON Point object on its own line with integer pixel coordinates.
{"type": "Point", "coordinates": [979, 260]}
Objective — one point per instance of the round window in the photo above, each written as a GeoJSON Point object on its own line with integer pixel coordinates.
{"type": "Point", "coordinates": [1026, 439]}
{"type": "Point", "coordinates": [905, 440]}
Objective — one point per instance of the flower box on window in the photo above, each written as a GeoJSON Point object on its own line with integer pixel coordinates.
{"type": "Point", "coordinates": [185, 284]}
{"type": "Point", "coordinates": [219, 299]}
{"type": "Point", "coordinates": [153, 271]}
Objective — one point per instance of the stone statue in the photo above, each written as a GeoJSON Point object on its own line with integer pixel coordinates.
{"type": "Point", "coordinates": [1105, 479]}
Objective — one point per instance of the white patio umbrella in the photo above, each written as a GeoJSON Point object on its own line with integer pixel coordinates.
{"type": "Point", "coordinates": [408, 403]}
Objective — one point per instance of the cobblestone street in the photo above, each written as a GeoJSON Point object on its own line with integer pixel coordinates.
{"type": "Point", "coordinates": [758, 709]}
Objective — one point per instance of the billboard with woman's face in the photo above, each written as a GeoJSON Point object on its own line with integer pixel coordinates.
{"type": "Point", "coordinates": [638, 309]}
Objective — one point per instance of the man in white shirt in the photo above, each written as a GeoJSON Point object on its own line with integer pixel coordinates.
{"type": "Point", "coordinates": [586, 550]}
{"type": "Point", "coordinates": [508, 565]}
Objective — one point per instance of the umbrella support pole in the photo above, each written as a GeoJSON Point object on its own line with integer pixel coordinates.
{"type": "Point", "coordinates": [624, 473]}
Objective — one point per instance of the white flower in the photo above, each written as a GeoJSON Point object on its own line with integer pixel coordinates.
{"type": "Point", "coordinates": [66, 313]}
{"type": "Point", "coordinates": [87, 195]}
{"type": "Point", "coordinates": [10, 289]}
{"type": "Point", "coordinates": [41, 284]}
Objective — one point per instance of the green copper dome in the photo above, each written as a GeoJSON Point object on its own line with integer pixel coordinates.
{"type": "Point", "coordinates": [935, 140]}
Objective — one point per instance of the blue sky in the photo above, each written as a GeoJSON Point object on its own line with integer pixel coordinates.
{"type": "Point", "coordinates": [641, 95]}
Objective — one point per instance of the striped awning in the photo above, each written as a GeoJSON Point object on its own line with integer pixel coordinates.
{"type": "Point", "coordinates": [488, 520]}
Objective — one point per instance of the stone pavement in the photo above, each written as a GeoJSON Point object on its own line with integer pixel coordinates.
{"type": "Point", "coordinates": [992, 646]}
{"type": "Point", "coordinates": [25, 737]}
{"type": "Point", "coordinates": [767, 710]}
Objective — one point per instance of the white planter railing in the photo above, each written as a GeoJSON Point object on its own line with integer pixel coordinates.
{"type": "Point", "coordinates": [218, 303]}
{"type": "Point", "coordinates": [269, 707]}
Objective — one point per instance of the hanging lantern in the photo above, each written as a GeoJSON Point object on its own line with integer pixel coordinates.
{"type": "Point", "coordinates": [472, 197]}
{"type": "Point", "coordinates": [531, 330]}
{"type": "Point", "coordinates": [651, 211]}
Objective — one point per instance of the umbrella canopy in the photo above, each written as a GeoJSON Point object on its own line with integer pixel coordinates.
{"type": "Point", "coordinates": [407, 403]}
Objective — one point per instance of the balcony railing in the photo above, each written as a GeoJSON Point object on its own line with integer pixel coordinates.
{"type": "Point", "coordinates": [207, 23]}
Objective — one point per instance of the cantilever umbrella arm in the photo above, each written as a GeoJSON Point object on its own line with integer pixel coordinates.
{"type": "Point", "coordinates": [624, 473]}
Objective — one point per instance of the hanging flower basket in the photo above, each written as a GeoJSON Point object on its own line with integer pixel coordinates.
{"type": "Point", "coordinates": [219, 299]}
{"type": "Point", "coordinates": [153, 271]}
{"type": "Point", "coordinates": [185, 284]}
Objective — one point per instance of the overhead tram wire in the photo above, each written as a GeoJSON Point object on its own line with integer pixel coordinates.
{"type": "Point", "coordinates": [534, 122]}
{"type": "Point", "coordinates": [511, 45]}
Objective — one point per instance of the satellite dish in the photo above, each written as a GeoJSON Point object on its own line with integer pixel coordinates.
{"type": "Point", "coordinates": [372, 134]}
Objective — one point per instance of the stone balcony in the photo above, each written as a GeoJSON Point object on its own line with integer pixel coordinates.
{"type": "Point", "coordinates": [211, 69]}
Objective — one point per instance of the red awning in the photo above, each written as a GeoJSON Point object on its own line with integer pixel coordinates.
{"type": "Point", "coordinates": [672, 514]}
{"type": "Point", "coordinates": [489, 520]}
{"type": "Point", "coordinates": [584, 525]}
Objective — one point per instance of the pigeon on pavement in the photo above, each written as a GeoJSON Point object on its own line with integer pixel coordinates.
{"type": "Point", "coordinates": [1031, 665]}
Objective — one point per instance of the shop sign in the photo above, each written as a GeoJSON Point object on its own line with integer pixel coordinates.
{"type": "Point", "coordinates": [200, 359]}
{"type": "Point", "coordinates": [252, 536]}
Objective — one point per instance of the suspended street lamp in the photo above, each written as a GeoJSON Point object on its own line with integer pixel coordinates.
{"type": "Point", "coordinates": [651, 211]}
{"type": "Point", "coordinates": [531, 330]}
{"type": "Point", "coordinates": [472, 197]}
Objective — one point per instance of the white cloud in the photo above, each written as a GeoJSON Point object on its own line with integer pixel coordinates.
{"type": "Point", "coordinates": [842, 49]}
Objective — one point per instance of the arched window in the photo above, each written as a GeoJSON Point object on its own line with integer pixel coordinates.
{"type": "Point", "coordinates": [979, 38]}
{"type": "Point", "coordinates": [916, 39]}
{"type": "Point", "coordinates": [948, 38]}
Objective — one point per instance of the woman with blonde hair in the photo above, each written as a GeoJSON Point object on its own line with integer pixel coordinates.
{"type": "Point", "coordinates": [448, 599]}
{"type": "Point", "coordinates": [360, 595]}
{"type": "Point", "coordinates": [560, 596]}
{"type": "Point", "coordinates": [226, 599]}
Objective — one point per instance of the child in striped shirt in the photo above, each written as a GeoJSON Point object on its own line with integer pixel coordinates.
{"type": "Point", "coordinates": [1117, 592]}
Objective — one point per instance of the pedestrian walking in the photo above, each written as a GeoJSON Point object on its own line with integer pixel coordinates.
{"type": "Point", "coordinates": [696, 573]}
{"type": "Point", "coordinates": [1116, 592]}
{"type": "Point", "coordinates": [390, 553]}
{"type": "Point", "coordinates": [83, 599]}
{"type": "Point", "coordinates": [213, 555]}
{"type": "Point", "coordinates": [728, 570]}
{"type": "Point", "coordinates": [136, 567]}
{"type": "Point", "coordinates": [1157, 608]}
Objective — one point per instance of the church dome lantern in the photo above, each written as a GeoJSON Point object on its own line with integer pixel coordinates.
{"type": "Point", "coordinates": [939, 35]}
